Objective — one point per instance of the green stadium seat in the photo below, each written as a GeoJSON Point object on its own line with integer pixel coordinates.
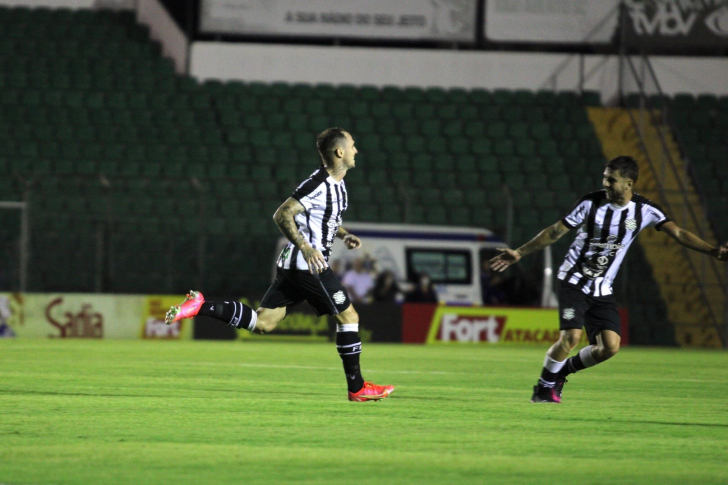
{"type": "Point", "coordinates": [497, 131]}
{"type": "Point", "coordinates": [369, 93]}
{"type": "Point", "coordinates": [474, 198]}
{"type": "Point", "coordinates": [479, 96]}
{"type": "Point", "coordinates": [523, 200]}
{"type": "Point", "coordinates": [482, 146]}
{"type": "Point", "coordinates": [437, 145]}
{"type": "Point", "coordinates": [591, 98]}
{"type": "Point", "coordinates": [460, 216]}
{"type": "Point", "coordinates": [413, 94]}
{"type": "Point", "coordinates": [525, 148]}
{"type": "Point", "coordinates": [436, 215]}
{"type": "Point", "coordinates": [504, 147]}
{"type": "Point", "coordinates": [381, 109]}
{"type": "Point", "coordinates": [425, 111]}
{"type": "Point", "coordinates": [502, 97]}
{"type": "Point", "coordinates": [392, 94]}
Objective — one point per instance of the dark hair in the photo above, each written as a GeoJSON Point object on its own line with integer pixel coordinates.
{"type": "Point", "coordinates": [626, 167]}
{"type": "Point", "coordinates": [329, 139]}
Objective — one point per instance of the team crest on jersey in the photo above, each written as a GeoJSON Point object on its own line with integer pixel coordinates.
{"type": "Point", "coordinates": [602, 260]}
{"type": "Point", "coordinates": [569, 314]}
{"type": "Point", "coordinates": [339, 297]}
{"type": "Point", "coordinates": [630, 224]}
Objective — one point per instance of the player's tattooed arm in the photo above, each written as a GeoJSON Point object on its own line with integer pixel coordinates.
{"type": "Point", "coordinates": [284, 218]}
{"type": "Point", "coordinates": [350, 240]}
{"type": "Point", "coordinates": [544, 238]}
{"type": "Point", "coordinates": [691, 241]}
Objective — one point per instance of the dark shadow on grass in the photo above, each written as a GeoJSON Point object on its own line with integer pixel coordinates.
{"type": "Point", "coordinates": [256, 392]}
{"type": "Point", "coordinates": [638, 421]}
{"type": "Point", "coordinates": [665, 423]}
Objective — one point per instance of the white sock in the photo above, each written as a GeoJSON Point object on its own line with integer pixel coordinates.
{"type": "Point", "coordinates": [586, 357]}
{"type": "Point", "coordinates": [552, 365]}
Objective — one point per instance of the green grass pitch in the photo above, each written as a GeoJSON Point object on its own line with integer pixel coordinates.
{"type": "Point", "coordinates": [146, 412]}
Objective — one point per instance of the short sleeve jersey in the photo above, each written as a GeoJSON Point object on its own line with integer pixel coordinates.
{"type": "Point", "coordinates": [605, 232]}
{"type": "Point", "coordinates": [324, 200]}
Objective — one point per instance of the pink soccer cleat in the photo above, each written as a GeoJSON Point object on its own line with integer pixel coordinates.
{"type": "Point", "coordinates": [546, 394]}
{"type": "Point", "coordinates": [186, 309]}
{"type": "Point", "coordinates": [371, 392]}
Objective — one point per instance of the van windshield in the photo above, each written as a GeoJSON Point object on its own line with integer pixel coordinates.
{"type": "Point", "coordinates": [443, 266]}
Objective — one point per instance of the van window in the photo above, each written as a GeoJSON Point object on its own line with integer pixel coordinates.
{"type": "Point", "coordinates": [443, 266]}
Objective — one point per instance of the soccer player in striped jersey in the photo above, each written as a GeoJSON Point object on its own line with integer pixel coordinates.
{"type": "Point", "coordinates": [310, 219]}
{"type": "Point", "coordinates": [607, 221]}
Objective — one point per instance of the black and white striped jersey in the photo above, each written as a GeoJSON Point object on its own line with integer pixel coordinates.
{"type": "Point", "coordinates": [325, 201]}
{"type": "Point", "coordinates": [605, 233]}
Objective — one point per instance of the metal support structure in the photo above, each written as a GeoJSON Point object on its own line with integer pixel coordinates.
{"type": "Point", "coordinates": [668, 164]}
{"type": "Point", "coordinates": [548, 298]}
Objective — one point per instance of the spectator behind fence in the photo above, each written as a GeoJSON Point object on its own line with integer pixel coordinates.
{"type": "Point", "coordinates": [337, 268]}
{"type": "Point", "coordinates": [423, 292]}
{"type": "Point", "coordinates": [358, 282]}
{"type": "Point", "coordinates": [386, 288]}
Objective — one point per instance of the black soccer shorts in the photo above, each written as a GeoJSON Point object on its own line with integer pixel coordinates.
{"type": "Point", "coordinates": [595, 313]}
{"type": "Point", "coordinates": [322, 290]}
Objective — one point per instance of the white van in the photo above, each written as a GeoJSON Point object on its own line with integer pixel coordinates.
{"type": "Point", "coordinates": [450, 255]}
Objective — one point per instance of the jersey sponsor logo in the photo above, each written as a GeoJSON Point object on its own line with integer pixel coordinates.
{"type": "Point", "coordinates": [314, 195]}
{"type": "Point", "coordinates": [630, 224]}
{"type": "Point", "coordinates": [286, 252]}
{"type": "Point", "coordinates": [612, 246]}
{"type": "Point", "coordinates": [568, 314]}
{"type": "Point", "coordinates": [339, 297]}
{"type": "Point", "coordinates": [591, 273]}
{"type": "Point", "coordinates": [464, 329]}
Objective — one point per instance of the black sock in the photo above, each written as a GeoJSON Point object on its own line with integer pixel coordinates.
{"type": "Point", "coordinates": [231, 312]}
{"type": "Point", "coordinates": [573, 364]}
{"type": "Point", "coordinates": [548, 378]}
{"type": "Point", "coordinates": [349, 346]}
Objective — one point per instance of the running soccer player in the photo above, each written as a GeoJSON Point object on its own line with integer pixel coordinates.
{"type": "Point", "coordinates": [310, 219]}
{"type": "Point", "coordinates": [608, 221]}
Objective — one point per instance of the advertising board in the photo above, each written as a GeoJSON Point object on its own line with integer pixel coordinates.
{"type": "Point", "coordinates": [452, 20]}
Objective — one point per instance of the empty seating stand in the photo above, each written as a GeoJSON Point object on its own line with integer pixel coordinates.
{"type": "Point", "coordinates": [110, 141]}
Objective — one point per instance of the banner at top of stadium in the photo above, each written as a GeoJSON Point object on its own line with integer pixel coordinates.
{"type": "Point", "coordinates": [557, 21]}
{"type": "Point", "coordinates": [448, 20]}
{"type": "Point", "coordinates": [676, 23]}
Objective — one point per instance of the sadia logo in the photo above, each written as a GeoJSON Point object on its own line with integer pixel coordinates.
{"type": "Point", "coordinates": [72, 322]}
{"type": "Point", "coordinates": [463, 329]}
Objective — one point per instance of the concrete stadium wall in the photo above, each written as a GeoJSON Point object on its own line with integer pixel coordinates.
{"type": "Point", "coordinates": [466, 69]}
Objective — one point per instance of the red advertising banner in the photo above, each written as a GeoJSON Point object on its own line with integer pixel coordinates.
{"type": "Point", "coordinates": [430, 323]}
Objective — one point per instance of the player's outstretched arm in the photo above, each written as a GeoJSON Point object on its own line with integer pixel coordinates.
{"type": "Point", "coordinates": [544, 238]}
{"type": "Point", "coordinates": [284, 218]}
{"type": "Point", "coordinates": [350, 240]}
{"type": "Point", "coordinates": [691, 241]}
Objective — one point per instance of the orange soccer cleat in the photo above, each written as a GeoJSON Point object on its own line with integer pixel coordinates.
{"type": "Point", "coordinates": [371, 392]}
{"type": "Point", "coordinates": [186, 309]}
